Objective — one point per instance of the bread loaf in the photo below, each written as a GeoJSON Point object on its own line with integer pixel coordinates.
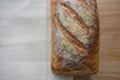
{"type": "Point", "coordinates": [75, 37]}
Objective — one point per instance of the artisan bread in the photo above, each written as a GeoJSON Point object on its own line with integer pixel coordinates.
{"type": "Point", "coordinates": [75, 37]}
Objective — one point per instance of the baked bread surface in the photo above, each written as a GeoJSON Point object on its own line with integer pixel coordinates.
{"type": "Point", "coordinates": [75, 37]}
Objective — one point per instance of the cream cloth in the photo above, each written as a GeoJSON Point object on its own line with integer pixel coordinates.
{"type": "Point", "coordinates": [25, 41]}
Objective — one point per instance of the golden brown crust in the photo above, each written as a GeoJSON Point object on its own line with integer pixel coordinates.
{"type": "Point", "coordinates": [74, 47]}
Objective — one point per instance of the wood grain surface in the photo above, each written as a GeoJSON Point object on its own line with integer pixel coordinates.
{"type": "Point", "coordinates": [109, 14]}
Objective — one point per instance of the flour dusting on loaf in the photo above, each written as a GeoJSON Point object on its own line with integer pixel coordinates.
{"type": "Point", "coordinates": [75, 39]}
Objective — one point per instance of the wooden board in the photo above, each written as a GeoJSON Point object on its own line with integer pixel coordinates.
{"type": "Point", "coordinates": [109, 13]}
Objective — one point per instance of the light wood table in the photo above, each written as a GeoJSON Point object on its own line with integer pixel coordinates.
{"type": "Point", "coordinates": [109, 11]}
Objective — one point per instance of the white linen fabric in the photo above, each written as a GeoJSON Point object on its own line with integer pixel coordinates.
{"type": "Point", "coordinates": [25, 36]}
